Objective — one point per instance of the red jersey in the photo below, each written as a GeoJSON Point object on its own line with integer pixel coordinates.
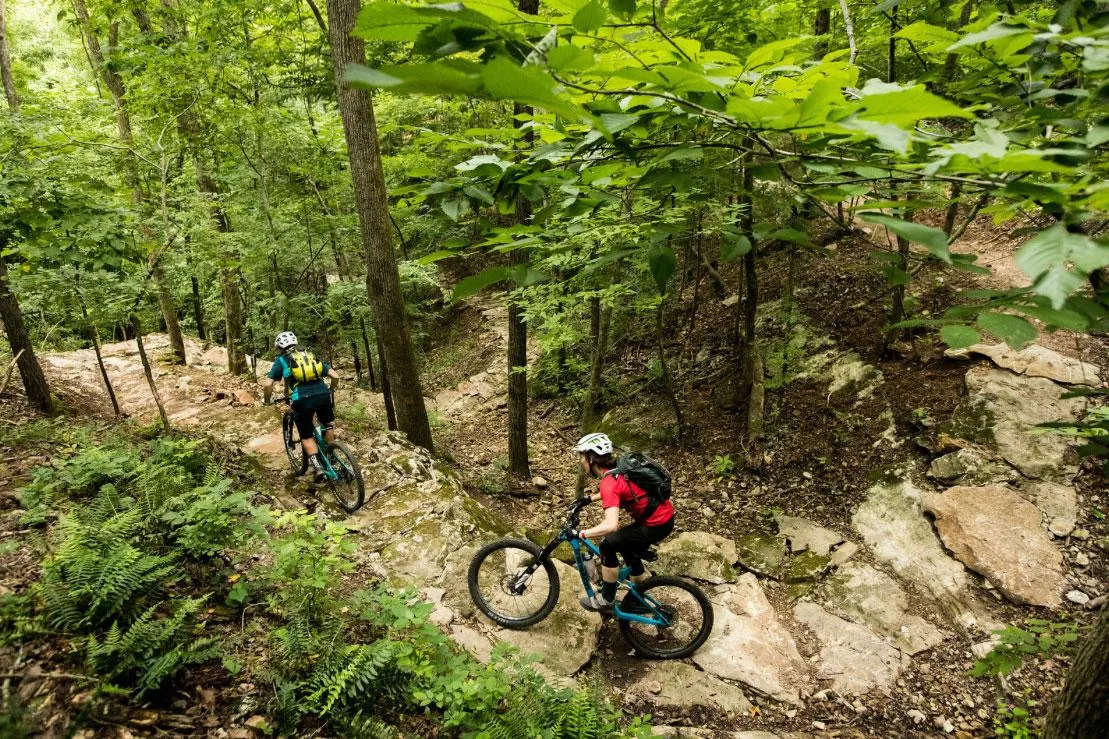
{"type": "Point", "coordinates": [618, 491]}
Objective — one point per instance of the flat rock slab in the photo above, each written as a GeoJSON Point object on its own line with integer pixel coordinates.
{"type": "Point", "coordinates": [761, 553]}
{"type": "Point", "coordinates": [700, 555]}
{"type": "Point", "coordinates": [869, 596]}
{"type": "Point", "coordinates": [566, 639]}
{"type": "Point", "coordinates": [803, 535]}
{"type": "Point", "coordinates": [668, 683]}
{"type": "Point", "coordinates": [971, 465]}
{"type": "Point", "coordinates": [892, 524]}
{"type": "Point", "coordinates": [749, 644]}
{"type": "Point", "coordinates": [852, 656]}
{"type": "Point", "coordinates": [1058, 503]}
{"type": "Point", "coordinates": [1014, 406]}
{"type": "Point", "coordinates": [998, 534]}
{"type": "Point", "coordinates": [1036, 361]}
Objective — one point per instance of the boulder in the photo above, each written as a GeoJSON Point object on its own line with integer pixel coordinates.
{"type": "Point", "coordinates": [749, 644]}
{"type": "Point", "coordinates": [970, 466]}
{"type": "Point", "coordinates": [852, 656]}
{"type": "Point", "coordinates": [699, 555]}
{"type": "Point", "coordinates": [998, 534]}
{"type": "Point", "coordinates": [761, 553]}
{"type": "Point", "coordinates": [808, 567]}
{"type": "Point", "coordinates": [851, 377]}
{"type": "Point", "coordinates": [1036, 361]}
{"type": "Point", "coordinates": [868, 596]}
{"type": "Point", "coordinates": [676, 684]}
{"type": "Point", "coordinates": [803, 535]}
{"type": "Point", "coordinates": [1058, 503]}
{"type": "Point", "coordinates": [1016, 405]}
{"type": "Point", "coordinates": [891, 523]}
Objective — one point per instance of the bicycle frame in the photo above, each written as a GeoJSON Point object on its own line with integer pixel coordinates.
{"type": "Point", "coordinates": [321, 442]}
{"type": "Point", "coordinates": [658, 617]}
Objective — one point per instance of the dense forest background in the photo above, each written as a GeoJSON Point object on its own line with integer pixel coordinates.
{"type": "Point", "coordinates": [506, 223]}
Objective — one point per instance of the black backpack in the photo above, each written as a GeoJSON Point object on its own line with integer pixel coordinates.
{"type": "Point", "coordinates": [648, 475]}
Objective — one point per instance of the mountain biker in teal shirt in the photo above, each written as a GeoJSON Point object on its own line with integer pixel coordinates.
{"type": "Point", "coordinates": [309, 397]}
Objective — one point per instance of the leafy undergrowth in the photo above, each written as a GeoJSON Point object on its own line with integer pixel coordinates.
{"type": "Point", "coordinates": [154, 593]}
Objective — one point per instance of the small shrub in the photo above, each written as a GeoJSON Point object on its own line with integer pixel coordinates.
{"type": "Point", "coordinates": [212, 517]}
{"type": "Point", "coordinates": [1042, 638]}
{"type": "Point", "coordinates": [1015, 722]}
{"type": "Point", "coordinates": [722, 466]}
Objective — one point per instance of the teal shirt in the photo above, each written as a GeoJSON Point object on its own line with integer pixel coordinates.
{"type": "Point", "coordinates": [282, 370]}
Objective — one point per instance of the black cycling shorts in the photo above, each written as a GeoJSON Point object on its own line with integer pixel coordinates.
{"type": "Point", "coordinates": [319, 406]}
{"type": "Point", "coordinates": [631, 541]}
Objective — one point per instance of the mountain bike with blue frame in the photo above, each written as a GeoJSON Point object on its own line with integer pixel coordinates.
{"type": "Point", "coordinates": [516, 584]}
{"type": "Point", "coordinates": [341, 472]}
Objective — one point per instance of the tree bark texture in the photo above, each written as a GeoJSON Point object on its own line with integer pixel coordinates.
{"type": "Point", "coordinates": [371, 201]}
{"type": "Point", "coordinates": [386, 393]}
{"type": "Point", "coordinates": [6, 63]}
{"type": "Point", "coordinates": [34, 381]}
{"type": "Point", "coordinates": [821, 25]}
{"type": "Point", "coordinates": [369, 354]}
{"type": "Point", "coordinates": [1082, 709]}
{"type": "Point", "coordinates": [114, 83]}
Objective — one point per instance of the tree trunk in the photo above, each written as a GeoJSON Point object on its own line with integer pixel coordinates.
{"type": "Point", "coordinates": [96, 350]}
{"type": "Point", "coordinates": [1082, 709]}
{"type": "Point", "coordinates": [599, 336]}
{"type": "Point", "coordinates": [821, 25]}
{"type": "Point", "coordinates": [951, 63]}
{"type": "Point", "coordinates": [357, 361]}
{"type": "Point", "coordinates": [6, 64]}
{"type": "Point", "coordinates": [114, 83]}
{"type": "Point", "coordinates": [667, 380]}
{"type": "Point", "coordinates": [136, 325]}
{"type": "Point", "coordinates": [382, 278]}
{"type": "Point", "coordinates": [369, 355]}
{"type": "Point", "coordinates": [386, 393]}
{"type": "Point", "coordinates": [198, 309]}
{"type": "Point", "coordinates": [34, 382]}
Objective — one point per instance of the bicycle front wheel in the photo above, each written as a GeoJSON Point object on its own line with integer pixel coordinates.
{"type": "Point", "coordinates": [298, 460]}
{"type": "Point", "coordinates": [503, 591]}
{"type": "Point", "coordinates": [683, 608]}
{"type": "Point", "coordinates": [349, 490]}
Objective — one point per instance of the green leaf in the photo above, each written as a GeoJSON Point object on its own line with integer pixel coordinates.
{"type": "Point", "coordinates": [436, 256]}
{"type": "Point", "coordinates": [663, 263]}
{"type": "Point", "coordinates": [959, 336]}
{"type": "Point", "coordinates": [591, 17]}
{"type": "Point", "coordinates": [996, 31]}
{"type": "Point", "coordinates": [1013, 330]}
{"type": "Point", "coordinates": [889, 136]}
{"type": "Point", "coordinates": [1057, 261]}
{"type": "Point", "coordinates": [453, 208]}
{"type": "Point", "coordinates": [434, 78]}
{"type": "Point", "coordinates": [933, 238]}
{"type": "Point", "coordinates": [625, 8]}
{"type": "Point", "coordinates": [387, 21]}
{"type": "Point", "coordinates": [503, 80]}
{"type": "Point", "coordinates": [473, 284]}
{"type": "Point", "coordinates": [569, 58]}
{"type": "Point", "coordinates": [734, 246]}
{"type": "Point", "coordinates": [907, 106]}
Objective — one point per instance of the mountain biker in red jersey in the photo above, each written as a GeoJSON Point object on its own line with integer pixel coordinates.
{"type": "Point", "coordinates": [616, 492]}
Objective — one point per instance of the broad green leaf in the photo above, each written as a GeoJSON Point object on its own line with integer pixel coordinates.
{"type": "Point", "coordinates": [503, 80]}
{"type": "Point", "coordinates": [625, 8]}
{"type": "Point", "coordinates": [434, 78]}
{"type": "Point", "coordinates": [453, 208]}
{"type": "Point", "coordinates": [482, 160]}
{"type": "Point", "coordinates": [591, 17]}
{"type": "Point", "coordinates": [662, 262]}
{"type": "Point", "coordinates": [928, 34]}
{"type": "Point", "coordinates": [386, 21]}
{"type": "Point", "coordinates": [468, 286]}
{"type": "Point", "coordinates": [933, 238]}
{"type": "Point", "coordinates": [436, 256]}
{"type": "Point", "coordinates": [996, 31]}
{"type": "Point", "coordinates": [907, 106]}
{"type": "Point", "coordinates": [569, 58]}
{"type": "Point", "coordinates": [1097, 135]}
{"type": "Point", "coordinates": [888, 135]}
{"type": "Point", "coordinates": [1057, 261]}
{"type": "Point", "coordinates": [734, 246]}
{"type": "Point", "coordinates": [1013, 330]}
{"type": "Point", "coordinates": [958, 336]}
{"type": "Point", "coordinates": [773, 52]}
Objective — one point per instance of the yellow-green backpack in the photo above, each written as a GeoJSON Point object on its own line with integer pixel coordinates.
{"type": "Point", "coordinates": [304, 367]}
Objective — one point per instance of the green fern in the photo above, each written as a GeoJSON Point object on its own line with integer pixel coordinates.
{"type": "Point", "coordinates": [360, 670]}
{"type": "Point", "coordinates": [96, 573]}
{"type": "Point", "coordinates": [150, 650]}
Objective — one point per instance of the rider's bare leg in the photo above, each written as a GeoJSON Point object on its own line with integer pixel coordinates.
{"type": "Point", "coordinates": [329, 435]}
{"type": "Point", "coordinates": [310, 446]}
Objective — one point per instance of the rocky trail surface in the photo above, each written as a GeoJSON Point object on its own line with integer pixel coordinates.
{"type": "Point", "coordinates": [818, 628]}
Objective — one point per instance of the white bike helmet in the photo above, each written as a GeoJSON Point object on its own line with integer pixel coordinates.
{"type": "Point", "coordinates": [285, 340]}
{"type": "Point", "coordinates": [597, 443]}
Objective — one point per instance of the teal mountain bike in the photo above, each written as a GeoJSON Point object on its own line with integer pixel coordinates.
{"type": "Point", "coordinates": [341, 472]}
{"type": "Point", "coordinates": [516, 584]}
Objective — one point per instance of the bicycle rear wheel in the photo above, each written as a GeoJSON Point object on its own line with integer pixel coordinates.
{"type": "Point", "coordinates": [681, 604]}
{"type": "Point", "coordinates": [349, 490]}
{"type": "Point", "coordinates": [495, 583]}
{"type": "Point", "coordinates": [298, 460]}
